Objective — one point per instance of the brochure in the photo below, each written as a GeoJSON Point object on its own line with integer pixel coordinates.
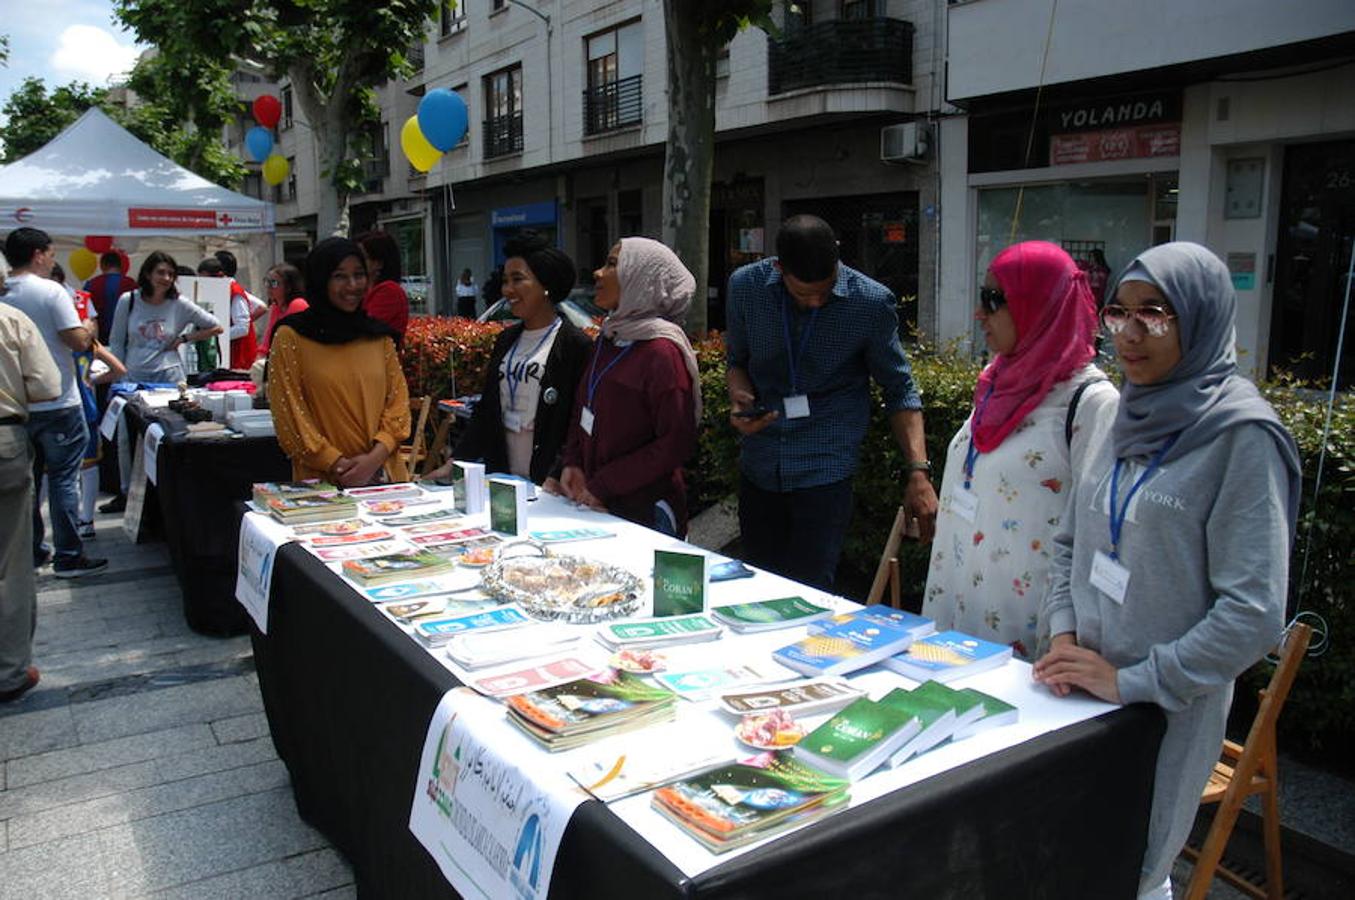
{"type": "Point", "coordinates": [799, 699]}
{"type": "Point", "coordinates": [699, 684]}
{"type": "Point", "coordinates": [767, 615]}
{"type": "Point", "coordinates": [436, 632]}
{"type": "Point", "coordinates": [478, 650]}
{"type": "Point", "coordinates": [661, 632]}
{"type": "Point", "coordinates": [571, 534]}
{"type": "Point", "coordinates": [537, 678]}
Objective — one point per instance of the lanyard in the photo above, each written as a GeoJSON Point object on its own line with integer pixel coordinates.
{"type": "Point", "coordinates": [972, 454]}
{"type": "Point", "coordinates": [1117, 516]}
{"type": "Point", "coordinates": [594, 376]}
{"type": "Point", "coordinates": [804, 341]}
{"type": "Point", "coordinates": [513, 382]}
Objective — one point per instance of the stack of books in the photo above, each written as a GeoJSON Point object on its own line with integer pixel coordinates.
{"type": "Point", "coordinates": [264, 491]}
{"type": "Point", "coordinates": [735, 804]}
{"type": "Point", "coordinates": [404, 566]}
{"type": "Point", "coordinates": [947, 656]}
{"type": "Point", "coordinates": [321, 506]}
{"type": "Point", "coordinates": [644, 634]}
{"type": "Point", "coordinates": [573, 714]}
{"type": "Point", "coordinates": [845, 646]}
{"type": "Point", "coordinates": [768, 615]}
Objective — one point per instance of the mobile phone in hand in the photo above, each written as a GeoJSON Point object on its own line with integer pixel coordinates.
{"type": "Point", "coordinates": [756, 412]}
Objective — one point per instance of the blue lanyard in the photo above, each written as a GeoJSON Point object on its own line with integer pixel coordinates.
{"type": "Point", "coordinates": [594, 376]}
{"type": "Point", "coordinates": [1117, 516]}
{"type": "Point", "coordinates": [972, 454]}
{"type": "Point", "coordinates": [508, 363]}
{"type": "Point", "coordinates": [804, 341]}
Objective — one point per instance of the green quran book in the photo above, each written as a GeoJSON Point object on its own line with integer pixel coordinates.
{"type": "Point", "coordinates": [854, 742]}
{"type": "Point", "coordinates": [766, 615]}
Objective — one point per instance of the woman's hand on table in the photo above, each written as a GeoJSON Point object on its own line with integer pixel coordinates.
{"type": "Point", "coordinates": [575, 487]}
{"type": "Point", "coordinates": [1067, 666]}
{"type": "Point", "coordinates": [552, 486]}
{"type": "Point", "coordinates": [357, 471]}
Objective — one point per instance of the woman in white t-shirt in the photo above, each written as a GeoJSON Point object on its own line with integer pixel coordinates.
{"type": "Point", "coordinates": [520, 423]}
{"type": "Point", "coordinates": [148, 327]}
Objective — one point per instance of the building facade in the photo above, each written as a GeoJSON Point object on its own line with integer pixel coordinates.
{"type": "Point", "coordinates": [1230, 124]}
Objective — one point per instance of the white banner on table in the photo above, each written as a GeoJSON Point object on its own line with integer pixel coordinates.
{"type": "Point", "coordinates": [260, 538]}
{"type": "Point", "coordinates": [154, 435]}
{"type": "Point", "coordinates": [108, 425]}
{"type": "Point", "coordinates": [493, 827]}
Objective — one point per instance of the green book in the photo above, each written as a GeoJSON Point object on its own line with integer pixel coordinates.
{"type": "Point", "coordinates": [766, 615]}
{"type": "Point", "coordinates": [642, 633]}
{"type": "Point", "coordinates": [855, 741]}
{"type": "Point", "coordinates": [968, 709]}
{"type": "Point", "coordinates": [937, 718]}
{"type": "Point", "coordinates": [507, 506]}
{"type": "Point", "coordinates": [680, 583]}
{"type": "Point", "coordinates": [996, 712]}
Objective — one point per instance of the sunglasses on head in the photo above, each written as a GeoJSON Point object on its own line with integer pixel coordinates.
{"type": "Point", "coordinates": [991, 299]}
{"type": "Point", "coordinates": [1154, 319]}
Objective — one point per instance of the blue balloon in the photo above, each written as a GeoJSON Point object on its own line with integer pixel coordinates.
{"type": "Point", "coordinates": [443, 118]}
{"type": "Point", "coordinates": [259, 142]}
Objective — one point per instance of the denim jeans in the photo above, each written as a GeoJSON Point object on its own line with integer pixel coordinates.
{"type": "Point", "coordinates": [59, 438]}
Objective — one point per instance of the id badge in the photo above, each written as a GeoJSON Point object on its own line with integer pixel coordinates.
{"type": "Point", "coordinates": [965, 503]}
{"type": "Point", "coordinates": [797, 407]}
{"type": "Point", "coordinates": [1109, 577]}
{"type": "Point", "coordinates": [586, 420]}
{"type": "Point", "coordinates": [512, 420]}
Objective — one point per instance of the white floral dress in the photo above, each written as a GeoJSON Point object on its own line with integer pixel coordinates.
{"type": "Point", "coordinates": [988, 576]}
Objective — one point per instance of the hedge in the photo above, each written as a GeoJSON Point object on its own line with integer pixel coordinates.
{"type": "Point", "coordinates": [1320, 717]}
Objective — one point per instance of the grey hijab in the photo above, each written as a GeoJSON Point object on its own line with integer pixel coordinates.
{"type": "Point", "coordinates": [1203, 395]}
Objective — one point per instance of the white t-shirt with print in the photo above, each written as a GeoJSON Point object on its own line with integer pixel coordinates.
{"type": "Point", "coordinates": [520, 374]}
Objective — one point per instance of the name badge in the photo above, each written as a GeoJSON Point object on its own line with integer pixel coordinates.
{"type": "Point", "coordinates": [586, 420]}
{"type": "Point", "coordinates": [512, 420]}
{"type": "Point", "coordinates": [797, 407]}
{"type": "Point", "coordinates": [1109, 577]}
{"type": "Point", "coordinates": [965, 503]}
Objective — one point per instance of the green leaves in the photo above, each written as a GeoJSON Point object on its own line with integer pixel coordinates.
{"type": "Point", "coordinates": [35, 117]}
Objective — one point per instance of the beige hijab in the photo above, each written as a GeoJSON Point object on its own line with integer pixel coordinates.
{"type": "Point", "coordinates": [656, 290]}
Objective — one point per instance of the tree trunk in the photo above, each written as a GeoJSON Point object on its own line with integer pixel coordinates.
{"type": "Point", "coordinates": [329, 132]}
{"type": "Point", "coordinates": [690, 155]}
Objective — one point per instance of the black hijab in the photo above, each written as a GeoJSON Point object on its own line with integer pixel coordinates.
{"type": "Point", "coordinates": [324, 322]}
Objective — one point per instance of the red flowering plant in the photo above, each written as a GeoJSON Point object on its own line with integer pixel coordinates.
{"type": "Point", "coordinates": [446, 357]}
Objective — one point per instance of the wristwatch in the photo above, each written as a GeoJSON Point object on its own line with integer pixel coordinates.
{"type": "Point", "coordinates": [919, 465]}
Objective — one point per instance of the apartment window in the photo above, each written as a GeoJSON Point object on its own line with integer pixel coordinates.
{"type": "Point", "coordinates": [503, 112]}
{"type": "Point", "coordinates": [290, 192]}
{"type": "Point", "coordinates": [377, 165]}
{"type": "Point", "coordinates": [453, 17]}
{"type": "Point", "coordinates": [287, 102]}
{"type": "Point", "coordinates": [253, 186]}
{"type": "Point", "coordinates": [496, 5]}
{"type": "Point", "coordinates": [463, 91]}
{"type": "Point", "coordinates": [614, 98]}
{"type": "Point", "coordinates": [861, 9]}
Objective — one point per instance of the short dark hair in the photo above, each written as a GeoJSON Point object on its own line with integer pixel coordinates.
{"type": "Point", "coordinates": [551, 265]}
{"type": "Point", "coordinates": [293, 284]}
{"type": "Point", "coordinates": [58, 274]}
{"type": "Point", "coordinates": [23, 243]}
{"type": "Point", "coordinates": [110, 258]}
{"type": "Point", "coordinates": [143, 277]}
{"type": "Point", "coordinates": [380, 246]}
{"type": "Point", "coordinates": [807, 248]}
{"type": "Point", "coordinates": [228, 263]}
{"type": "Point", "coordinates": [211, 267]}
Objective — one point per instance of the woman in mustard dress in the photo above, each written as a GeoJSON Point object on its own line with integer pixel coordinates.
{"type": "Point", "coordinates": [339, 399]}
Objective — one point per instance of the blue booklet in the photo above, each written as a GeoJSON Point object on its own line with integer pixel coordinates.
{"type": "Point", "coordinates": [845, 647]}
{"type": "Point", "coordinates": [439, 631]}
{"type": "Point", "coordinates": [948, 655]}
{"type": "Point", "coordinates": [918, 626]}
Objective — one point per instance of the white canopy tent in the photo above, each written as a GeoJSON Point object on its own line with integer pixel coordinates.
{"type": "Point", "coordinates": [95, 178]}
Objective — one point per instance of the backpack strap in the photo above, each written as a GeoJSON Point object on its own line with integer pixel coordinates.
{"type": "Point", "coordinates": [1072, 408]}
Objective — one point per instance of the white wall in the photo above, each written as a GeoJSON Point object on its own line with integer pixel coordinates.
{"type": "Point", "coordinates": [998, 45]}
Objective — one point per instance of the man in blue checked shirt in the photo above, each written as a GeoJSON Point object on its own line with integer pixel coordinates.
{"type": "Point", "coordinates": [805, 336]}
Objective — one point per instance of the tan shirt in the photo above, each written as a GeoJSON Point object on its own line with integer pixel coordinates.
{"type": "Point", "coordinates": [28, 374]}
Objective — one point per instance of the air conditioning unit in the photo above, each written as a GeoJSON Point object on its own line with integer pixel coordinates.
{"type": "Point", "coordinates": [906, 142]}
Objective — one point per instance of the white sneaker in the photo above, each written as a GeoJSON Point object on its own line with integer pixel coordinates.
{"type": "Point", "coordinates": [86, 531]}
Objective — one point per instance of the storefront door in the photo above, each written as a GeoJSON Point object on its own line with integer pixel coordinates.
{"type": "Point", "coordinates": [1317, 228]}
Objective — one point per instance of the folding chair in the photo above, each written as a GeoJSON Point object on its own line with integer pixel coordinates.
{"type": "Point", "coordinates": [1245, 770]}
{"type": "Point", "coordinates": [414, 452]}
{"type": "Point", "coordinates": [888, 570]}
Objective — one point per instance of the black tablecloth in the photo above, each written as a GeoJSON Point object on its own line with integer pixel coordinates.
{"type": "Point", "coordinates": [349, 697]}
{"type": "Point", "coordinates": [199, 483]}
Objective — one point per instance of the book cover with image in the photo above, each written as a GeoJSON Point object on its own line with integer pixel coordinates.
{"type": "Point", "coordinates": [406, 566]}
{"type": "Point", "coordinates": [948, 655]}
{"type": "Point", "coordinates": [507, 506]}
{"type": "Point", "coordinates": [918, 626]}
{"type": "Point", "coordinates": [681, 582]}
{"type": "Point", "coordinates": [645, 633]}
{"type": "Point", "coordinates": [857, 739]}
{"type": "Point", "coordinates": [844, 647]}
{"type": "Point", "coordinates": [801, 698]}
{"type": "Point", "coordinates": [575, 713]}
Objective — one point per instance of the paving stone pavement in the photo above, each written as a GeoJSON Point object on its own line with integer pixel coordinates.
{"type": "Point", "coordinates": [141, 765]}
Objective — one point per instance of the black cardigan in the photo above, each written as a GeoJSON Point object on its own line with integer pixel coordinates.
{"type": "Point", "coordinates": [483, 439]}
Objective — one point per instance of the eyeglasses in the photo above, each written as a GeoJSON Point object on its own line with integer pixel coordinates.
{"type": "Point", "coordinates": [1154, 319]}
{"type": "Point", "coordinates": [992, 299]}
{"type": "Point", "coordinates": [272, 282]}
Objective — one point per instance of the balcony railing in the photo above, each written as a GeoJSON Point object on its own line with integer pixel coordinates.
{"type": "Point", "coordinates": [840, 52]}
{"type": "Point", "coordinates": [503, 135]}
{"type": "Point", "coordinates": [415, 56]}
{"type": "Point", "coordinates": [379, 167]}
{"type": "Point", "coordinates": [614, 105]}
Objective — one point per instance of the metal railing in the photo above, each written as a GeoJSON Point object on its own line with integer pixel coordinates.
{"type": "Point", "coordinates": [503, 135]}
{"type": "Point", "coordinates": [840, 52]}
{"type": "Point", "coordinates": [415, 56]}
{"type": "Point", "coordinates": [616, 104]}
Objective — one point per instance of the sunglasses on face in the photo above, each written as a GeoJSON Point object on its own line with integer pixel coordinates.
{"type": "Point", "coordinates": [991, 299]}
{"type": "Point", "coordinates": [1154, 319]}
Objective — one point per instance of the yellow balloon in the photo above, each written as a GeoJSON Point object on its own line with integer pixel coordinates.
{"type": "Point", "coordinates": [275, 169]}
{"type": "Point", "coordinates": [421, 154]}
{"type": "Point", "coordinates": [83, 263]}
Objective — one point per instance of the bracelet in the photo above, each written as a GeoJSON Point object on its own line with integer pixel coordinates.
{"type": "Point", "coordinates": [919, 465]}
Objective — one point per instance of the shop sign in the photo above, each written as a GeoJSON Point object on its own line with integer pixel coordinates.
{"type": "Point", "coordinates": [1137, 142]}
{"type": "Point", "coordinates": [542, 213]}
{"type": "Point", "coordinates": [143, 217]}
{"type": "Point", "coordinates": [1098, 115]}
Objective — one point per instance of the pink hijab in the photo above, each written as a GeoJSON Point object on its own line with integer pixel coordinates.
{"type": "Point", "coordinates": [656, 290]}
{"type": "Point", "coordinates": [1055, 317]}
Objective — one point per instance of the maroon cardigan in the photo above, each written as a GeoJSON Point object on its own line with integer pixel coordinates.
{"type": "Point", "coordinates": [644, 429]}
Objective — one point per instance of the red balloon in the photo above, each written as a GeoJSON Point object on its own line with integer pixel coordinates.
{"type": "Point", "coordinates": [267, 110]}
{"type": "Point", "coordinates": [126, 260]}
{"type": "Point", "coordinates": [98, 243]}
